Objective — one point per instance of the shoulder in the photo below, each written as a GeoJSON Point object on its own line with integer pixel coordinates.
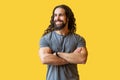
{"type": "Point", "coordinates": [47, 36]}
{"type": "Point", "coordinates": [80, 39]}
{"type": "Point", "coordinates": [45, 40]}
{"type": "Point", "coordinates": [77, 36]}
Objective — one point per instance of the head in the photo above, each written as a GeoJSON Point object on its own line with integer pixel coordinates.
{"type": "Point", "coordinates": [62, 16]}
{"type": "Point", "coordinates": [60, 21]}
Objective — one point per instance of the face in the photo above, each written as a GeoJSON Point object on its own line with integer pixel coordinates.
{"type": "Point", "coordinates": [60, 19]}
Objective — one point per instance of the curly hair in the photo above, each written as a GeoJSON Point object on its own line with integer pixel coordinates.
{"type": "Point", "coordinates": [69, 15]}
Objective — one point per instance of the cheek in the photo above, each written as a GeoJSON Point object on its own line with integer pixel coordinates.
{"type": "Point", "coordinates": [63, 19]}
{"type": "Point", "coordinates": [54, 19]}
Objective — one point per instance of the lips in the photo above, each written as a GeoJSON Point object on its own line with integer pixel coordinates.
{"type": "Point", "coordinates": [58, 22]}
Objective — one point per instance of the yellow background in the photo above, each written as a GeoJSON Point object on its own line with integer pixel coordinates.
{"type": "Point", "coordinates": [22, 23]}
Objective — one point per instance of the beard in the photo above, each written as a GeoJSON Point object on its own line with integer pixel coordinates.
{"type": "Point", "coordinates": [59, 26]}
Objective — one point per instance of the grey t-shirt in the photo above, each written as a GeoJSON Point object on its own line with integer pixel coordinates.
{"type": "Point", "coordinates": [60, 43]}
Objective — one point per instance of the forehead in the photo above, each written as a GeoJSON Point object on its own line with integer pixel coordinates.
{"type": "Point", "coordinates": [59, 10]}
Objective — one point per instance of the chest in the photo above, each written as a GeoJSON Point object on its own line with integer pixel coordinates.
{"type": "Point", "coordinates": [63, 44]}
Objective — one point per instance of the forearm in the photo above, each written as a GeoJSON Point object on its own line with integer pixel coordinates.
{"type": "Point", "coordinates": [75, 58]}
{"type": "Point", "coordinates": [53, 60]}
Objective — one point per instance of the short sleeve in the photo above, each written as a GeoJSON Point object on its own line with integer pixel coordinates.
{"type": "Point", "coordinates": [81, 42]}
{"type": "Point", "coordinates": [43, 42]}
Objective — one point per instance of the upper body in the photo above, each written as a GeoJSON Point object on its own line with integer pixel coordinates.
{"type": "Point", "coordinates": [69, 44]}
{"type": "Point", "coordinates": [70, 47]}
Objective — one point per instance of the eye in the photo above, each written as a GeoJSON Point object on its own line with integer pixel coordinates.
{"type": "Point", "coordinates": [55, 15]}
{"type": "Point", "coordinates": [62, 14]}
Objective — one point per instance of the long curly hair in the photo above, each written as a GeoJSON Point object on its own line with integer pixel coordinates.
{"type": "Point", "coordinates": [69, 15]}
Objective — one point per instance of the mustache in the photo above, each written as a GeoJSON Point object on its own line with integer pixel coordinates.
{"type": "Point", "coordinates": [59, 20]}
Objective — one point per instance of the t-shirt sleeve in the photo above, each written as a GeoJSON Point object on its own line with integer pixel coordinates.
{"type": "Point", "coordinates": [43, 42]}
{"type": "Point", "coordinates": [81, 42]}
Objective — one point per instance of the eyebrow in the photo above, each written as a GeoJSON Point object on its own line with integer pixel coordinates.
{"type": "Point", "coordinates": [59, 14]}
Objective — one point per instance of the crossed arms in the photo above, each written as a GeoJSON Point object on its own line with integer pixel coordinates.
{"type": "Point", "coordinates": [79, 56]}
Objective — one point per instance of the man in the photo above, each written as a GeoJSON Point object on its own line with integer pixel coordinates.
{"type": "Point", "coordinates": [61, 48]}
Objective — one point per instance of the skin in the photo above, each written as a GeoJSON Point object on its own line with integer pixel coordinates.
{"type": "Point", "coordinates": [79, 56]}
